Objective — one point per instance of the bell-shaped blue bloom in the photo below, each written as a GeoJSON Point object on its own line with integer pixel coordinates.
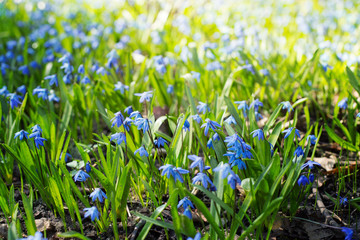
{"type": "Point", "coordinates": [298, 151]}
{"type": "Point", "coordinates": [243, 106]}
{"type": "Point", "coordinates": [53, 79]}
{"type": "Point", "coordinates": [41, 93]}
{"type": "Point", "coordinates": [203, 178]}
{"type": "Point", "coordinates": [185, 203]}
{"type": "Point", "coordinates": [230, 120]}
{"type": "Point", "coordinates": [67, 156]}
{"type": "Point", "coordinates": [357, 115]}
{"type": "Point", "coordinates": [197, 162]}
{"type": "Point", "coordinates": [225, 168]}
{"type": "Point", "coordinates": [39, 141]}
{"type": "Point", "coordinates": [175, 172]}
{"type": "Point", "coordinates": [303, 180]}
{"type": "Point", "coordinates": [258, 133]}
{"type": "Point", "coordinates": [312, 139]}
{"type": "Point", "coordinates": [119, 86]}
{"type": "Point", "coordinates": [14, 100]}
{"type": "Point", "coordinates": [258, 116]}
{"type": "Point", "coordinates": [170, 89]}
{"type": "Point", "coordinates": [210, 124]}
{"type": "Point", "coordinates": [142, 123]}
{"type": "Point", "coordinates": [117, 120]}
{"type": "Point", "coordinates": [37, 236]}
{"type": "Point", "coordinates": [203, 108]}
{"type": "Point", "coordinates": [343, 201]}
{"type": "Point", "coordinates": [87, 167]}
{"type": "Point", "coordinates": [311, 177]}
{"type": "Point", "coordinates": [4, 91]}
{"type": "Point", "coordinates": [21, 135]}
{"type": "Point", "coordinates": [145, 96]}
{"type": "Point", "coordinates": [256, 104]}
{"type": "Point", "coordinates": [210, 144]}
{"type": "Point", "coordinates": [142, 151]}
{"type": "Point", "coordinates": [310, 164]}
{"type": "Point", "coordinates": [234, 161]}
{"type": "Point", "coordinates": [118, 137]}
{"type": "Point", "coordinates": [101, 71]}
{"type": "Point", "coordinates": [85, 80]}
{"type": "Point", "coordinates": [160, 142]}
{"type": "Point", "coordinates": [289, 130]}
{"type": "Point", "coordinates": [186, 125]}
{"type": "Point", "coordinates": [92, 212]}
{"type": "Point", "coordinates": [67, 78]}
{"type": "Point", "coordinates": [197, 237]}
{"type": "Point", "coordinates": [98, 194]}
{"type": "Point", "coordinates": [81, 176]}
{"type": "Point", "coordinates": [21, 90]}
{"type": "Point", "coordinates": [24, 70]}
{"type": "Point", "coordinates": [187, 213]}
{"type": "Point", "coordinates": [213, 66]}
{"type": "Point", "coordinates": [196, 118]}
{"type": "Point", "coordinates": [348, 233]}
{"type": "Point", "coordinates": [34, 64]}
{"type": "Point", "coordinates": [195, 75]}
{"type": "Point", "coordinates": [127, 124]}
{"type": "Point", "coordinates": [287, 106]}
{"type": "Point", "coordinates": [233, 180]}
{"type": "Point", "coordinates": [128, 110]}
{"type": "Point", "coordinates": [343, 103]}
{"type": "Point", "coordinates": [81, 69]}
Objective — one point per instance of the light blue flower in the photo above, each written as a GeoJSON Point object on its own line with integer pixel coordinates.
{"type": "Point", "coordinates": [117, 120]}
{"type": "Point", "coordinates": [303, 180]}
{"type": "Point", "coordinates": [39, 141]}
{"type": "Point", "coordinates": [142, 151]}
{"type": "Point", "coordinates": [203, 178]}
{"type": "Point", "coordinates": [343, 103]}
{"type": "Point", "coordinates": [92, 212]}
{"type": "Point", "coordinates": [298, 151]}
{"type": "Point", "coordinates": [197, 237]}
{"type": "Point", "coordinates": [185, 203]}
{"type": "Point", "coordinates": [287, 105]}
{"type": "Point", "coordinates": [145, 96]}
{"type": "Point", "coordinates": [119, 86]}
{"type": "Point", "coordinates": [196, 118]}
{"type": "Point", "coordinates": [142, 123]}
{"type": "Point", "coordinates": [203, 108]}
{"type": "Point", "coordinates": [258, 133]}
{"type": "Point", "coordinates": [210, 124]}
{"type": "Point", "coordinates": [98, 194]}
{"type": "Point", "coordinates": [289, 131]}
{"type": "Point", "coordinates": [119, 137]}
{"type": "Point", "coordinates": [233, 180]}
{"type": "Point", "coordinates": [21, 134]}
{"type": "Point", "coordinates": [81, 176]}
{"type": "Point", "coordinates": [160, 142]}
{"type": "Point", "coordinates": [230, 120]}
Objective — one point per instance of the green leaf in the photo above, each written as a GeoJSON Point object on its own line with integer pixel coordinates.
{"type": "Point", "coordinates": [352, 79]}
{"type": "Point", "coordinates": [148, 225]}
{"type": "Point", "coordinates": [73, 234]}
{"type": "Point", "coordinates": [339, 140]}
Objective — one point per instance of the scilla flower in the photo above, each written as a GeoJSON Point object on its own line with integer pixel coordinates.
{"type": "Point", "coordinates": [92, 212]}
{"type": "Point", "coordinates": [98, 194]}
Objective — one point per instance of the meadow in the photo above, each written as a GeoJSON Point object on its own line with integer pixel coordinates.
{"type": "Point", "coordinates": [184, 119]}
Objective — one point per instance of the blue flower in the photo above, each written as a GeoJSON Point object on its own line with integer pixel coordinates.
{"type": "Point", "coordinates": [310, 164]}
{"type": "Point", "coordinates": [256, 104]}
{"type": "Point", "coordinates": [102, 71]}
{"type": "Point", "coordinates": [203, 107]}
{"type": "Point", "coordinates": [258, 133]}
{"type": "Point", "coordinates": [203, 178]}
{"type": "Point", "coordinates": [358, 115]}
{"type": "Point", "coordinates": [37, 236]}
{"type": "Point", "coordinates": [81, 69]}
{"type": "Point", "coordinates": [185, 203]}
{"type": "Point", "coordinates": [343, 201]}
{"type": "Point", "coordinates": [170, 89]}
{"type": "Point", "coordinates": [21, 89]}
{"type": "Point", "coordinates": [160, 142]}
{"type": "Point", "coordinates": [117, 120]}
{"type": "Point", "coordinates": [67, 156]}
{"type": "Point", "coordinates": [289, 130]}
{"type": "Point", "coordinates": [195, 75]}
{"type": "Point", "coordinates": [87, 167]}
{"type": "Point", "coordinates": [197, 162]}
{"type": "Point", "coordinates": [343, 103]}
{"type": "Point", "coordinates": [92, 212]}
{"type": "Point", "coordinates": [39, 141]}
{"type": "Point", "coordinates": [53, 97]}
{"type": "Point", "coordinates": [287, 105]}
{"type": "Point", "coordinates": [53, 79]}
{"type": "Point", "coordinates": [142, 151]}
{"type": "Point", "coordinates": [312, 139]}
{"type": "Point", "coordinates": [135, 115]}
{"type": "Point", "coordinates": [236, 161]}
{"type": "Point", "coordinates": [233, 180]}
{"type": "Point", "coordinates": [209, 144]}
{"type": "Point", "coordinates": [196, 118]}
{"type": "Point", "coordinates": [119, 86]}
{"type": "Point", "coordinates": [303, 180]}
{"type": "Point", "coordinates": [243, 105]}
{"type": "Point", "coordinates": [85, 80]}
{"type": "Point", "coordinates": [127, 124]}
{"type": "Point", "coordinates": [187, 213]}
{"type": "Point", "coordinates": [4, 91]}
{"type": "Point", "coordinates": [81, 176]}
{"type": "Point", "coordinates": [186, 125]}
{"type": "Point", "coordinates": [225, 168]}
{"type": "Point", "coordinates": [41, 93]}
{"type": "Point", "coordinates": [213, 66]}
{"type": "Point", "coordinates": [21, 134]}
{"type": "Point", "coordinates": [197, 237]}
{"type": "Point", "coordinates": [145, 96]}
{"type": "Point", "coordinates": [67, 78]}
{"type": "Point", "coordinates": [298, 151]}
{"type": "Point", "coordinates": [311, 177]}
{"type": "Point", "coordinates": [128, 110]}
{"type": "Point", "coordinates": [142, 123]}
{"type": "Point", "coordinates": [119, 137]}
{"type": "Point", "coordinates": [258, 116]}
{"type": "Point", "coordinates": [210, 124]}
{"type": "Point", "coordinates": [175, 172]}
{"type": "Point", "coordinates": [348, 233]}
{"type": "Point", "coordinates": [98, 194]}
{"type": "Point", "coordinates": [230, 120]}
{"type": "Point", "coordinates": [24, 70]}
{"type": "Point", "coordinates": [14, 100]}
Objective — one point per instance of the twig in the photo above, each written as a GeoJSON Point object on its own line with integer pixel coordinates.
{"type": "Point", "coordinates": [133, 235]}
{"type": "Point", "coordinates": [328, 219]}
